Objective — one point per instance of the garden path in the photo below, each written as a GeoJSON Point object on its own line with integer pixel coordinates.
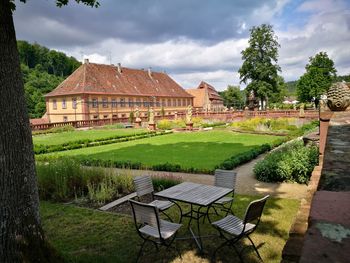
{"type": "Point", "coordinates": [246, 182]}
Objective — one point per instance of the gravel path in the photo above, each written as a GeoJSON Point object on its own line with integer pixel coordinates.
{"type": "Point", "coordinates": [246, 182]}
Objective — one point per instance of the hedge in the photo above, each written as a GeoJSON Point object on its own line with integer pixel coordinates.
{"type": "Point", "coordinates": [293, 162]}
{"type": "Point", "coordinates": [42, 149]}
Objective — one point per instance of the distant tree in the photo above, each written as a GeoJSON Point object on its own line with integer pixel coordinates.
{"type": "Point", "coordinates": [22, 238]}
{"type": "Point", "coordinates": [260, 62]}
{"type": "Point", "coordinates": [233, 97]}
{"type": "Point", "coordinates": [319, 75]}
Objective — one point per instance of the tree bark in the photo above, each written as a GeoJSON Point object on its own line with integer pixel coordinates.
{"type": "Point", "coordinates": [21, 235]}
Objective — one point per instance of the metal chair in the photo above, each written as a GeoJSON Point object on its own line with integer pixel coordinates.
{"type": "Point", "coordinates": [233, 229]}
{"type": "Point", "coordinates": [226, 179]}
{"type": "Point", "coordinates": [143, 186]}
{"type": "Point", "coordinates": [151, 228]}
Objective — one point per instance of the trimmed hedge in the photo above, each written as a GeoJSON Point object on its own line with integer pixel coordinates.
{"type": "Point", "coordinates": [42, 149]}
{"type": "Point", "coordinates": [293, 162]}
{"type": "Point", "coordinates": [245, 157]}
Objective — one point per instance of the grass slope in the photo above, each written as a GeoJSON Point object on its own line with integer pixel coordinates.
{"type": "Point", "coordinates": [85, 235]}
{"type": "Point", "coordinates": [64, 137]}
{"type": "Point", "coordinates": [202, 150]}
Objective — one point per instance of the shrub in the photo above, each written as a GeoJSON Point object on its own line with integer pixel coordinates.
{"type": "Point", "coordinates": [292, 162]}
{"type": "Point", "coordinates": [163, 182]}
{"type": "Point", "coordinates": [164, 124]}
{"type": "Point", "coordinates": [244, 157]}
{"type": "Point", "coordinates": [60, 180]}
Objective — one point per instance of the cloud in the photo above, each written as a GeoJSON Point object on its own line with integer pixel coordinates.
{"type": "Point", "coordinates": [191, 40]}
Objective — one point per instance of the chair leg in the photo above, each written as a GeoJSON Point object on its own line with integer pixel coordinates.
{"type": "Point", "coordinates": [216, 250]}
{"type": "Point", "coordinates": [237, 252]}
{"type": "Point", "coordinates": [256, 250]}
{"type": "Point", "coordinates": [167, 216]}
{"type": "Point", "coordinates": [140, 251]}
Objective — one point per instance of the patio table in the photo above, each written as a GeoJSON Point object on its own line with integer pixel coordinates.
{"type": "Point", "coordinates": [199, 196]}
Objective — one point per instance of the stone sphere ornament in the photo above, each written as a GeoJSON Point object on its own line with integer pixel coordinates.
{"type": "Point", "coordinates": [338, 97]}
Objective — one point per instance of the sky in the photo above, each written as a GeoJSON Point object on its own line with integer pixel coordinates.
{"type": "Point", "coordinates": [191, 40]}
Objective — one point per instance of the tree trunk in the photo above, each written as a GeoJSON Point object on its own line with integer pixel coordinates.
{"type": "Point", "coordinates": [21, 235]}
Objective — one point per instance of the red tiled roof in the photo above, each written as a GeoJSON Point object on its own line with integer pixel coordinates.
{"type": "Point", "coordinates": [91, 78]}
{"type": "Point", "coordinates": [39, 121]}
{"type": "Point", "coordinates": [213, 94]}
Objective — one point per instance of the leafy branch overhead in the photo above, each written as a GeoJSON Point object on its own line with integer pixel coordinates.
{"type": "Point", "coordinates": [60, 3]}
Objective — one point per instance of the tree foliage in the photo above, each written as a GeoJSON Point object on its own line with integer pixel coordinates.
{"type": "Point", "coordinates": [42, 69]}
{"type": "Point", "coordinates": [319, 75]}
{"type": "Point", "coordinates": [260, 66]}
{"type": "Point", "coordinates": [233, 97]}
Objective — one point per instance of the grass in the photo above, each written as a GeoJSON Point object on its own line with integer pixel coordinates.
{"type": "Point", "coordinates": [201, 150]}
{"type": "Point", "coordinates": [64, 137]}
{"type": "Point", "coordinates": [86, 235]}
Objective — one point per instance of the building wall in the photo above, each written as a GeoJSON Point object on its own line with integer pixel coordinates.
{"type": "Point", "coordinates": [106, 107]}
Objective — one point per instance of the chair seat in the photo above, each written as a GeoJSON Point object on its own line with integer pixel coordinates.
{"type": "Point", "coordinates": [233, 225]}
{"type": "Point", "coordinates": [162, 205]}
{"type": "Point", "coordinates": [223, 200]}
{"type": "Point", "coordinates": [167, 229]}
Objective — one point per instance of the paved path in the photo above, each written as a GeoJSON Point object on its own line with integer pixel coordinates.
{"type": "Point", "coordinates": [246, 183]}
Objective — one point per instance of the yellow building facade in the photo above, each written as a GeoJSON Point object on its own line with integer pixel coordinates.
{"type": "Point", "coordinates": [96, 91]}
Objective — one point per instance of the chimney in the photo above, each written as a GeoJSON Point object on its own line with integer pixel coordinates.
{"type": "Point", "coordinates": [150, 72]}
{"type": "Point", "coordinates": [119, 68]}
{"type": "Point", "coordinates": [86, 61]}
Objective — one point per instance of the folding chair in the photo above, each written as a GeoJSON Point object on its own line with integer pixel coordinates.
{"type": "Point", "coordinates": [233, 229]}
{"type": "Point", "coordinates": [226, 179]}
{"type": "Point", "coordinates": [151, 228]}
{"type": "Point", "coordinates": [143, 186]}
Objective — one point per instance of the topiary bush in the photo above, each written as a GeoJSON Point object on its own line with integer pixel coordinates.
{"type": "Point", "coordinates": [292, 162]}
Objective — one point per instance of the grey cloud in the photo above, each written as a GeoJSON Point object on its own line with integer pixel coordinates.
{"type": "Point", "coordinates": [134, 21]}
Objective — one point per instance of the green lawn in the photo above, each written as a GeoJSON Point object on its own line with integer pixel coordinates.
{"type": "Point", "coordinates": [64, 137]}
{"type": "Point", "coordinates": [86, 235]}
{"type": "Point", "coordinates": [201, 150]}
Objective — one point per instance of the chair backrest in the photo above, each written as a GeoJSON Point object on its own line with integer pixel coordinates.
{"type": "Point", "coordinates": [254, 210]}
{"type": "Point", "coordinates": [225, 178]}
{"type": "Point", "coordinates": [145, 214]}
{"type": "Point", "coordinates": [143, 185]}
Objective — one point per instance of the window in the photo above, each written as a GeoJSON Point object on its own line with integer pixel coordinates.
{"type": "Point", "coordinates": [131, 102]}
{"type": "Point", "coordinates": [157, 103]}
{"type": "Point", "coordinates": [184, 102]}
{"type": "Point", "coordinates": [169, 102]}
{"type": "Point", "coordinates": [65, 118]}
{"type": "Point", "coordinates": [114, 116]}
{"type": "Point", "coordinates": [114, 103]}
{"type": "Point", "coordinates": [95, 116]}
{"type": "Point", "coordinates": [94, 103]}
{"type": "Point", "coordinates": [64, 104]}
{"type": "Point", "coordinates": [163, 102]}
{"type": "Point", "coordinates": [174, 102]}
{"type": "Point", "coordinates": [179, 102]}
{"type": "Point", "coordinates": [74, 103]}
{"type": "Point", "coordinates": [105, 116]}
{"type": "Point", "coordinates": [122, 102]}
{"type": "Point", "coordinates": [138, 102]}
{"type": "Point", "coordinates": [54, 104]}
{"type": "Point", "coordinates": [145, 103]}
{"type": "Point", "coordinates": [104, 102]}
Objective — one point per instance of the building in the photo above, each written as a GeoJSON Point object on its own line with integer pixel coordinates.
{"type": "Point", "coordinates": [96, 91]}
{"type": "Point", "coordinates": [206, 98]}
